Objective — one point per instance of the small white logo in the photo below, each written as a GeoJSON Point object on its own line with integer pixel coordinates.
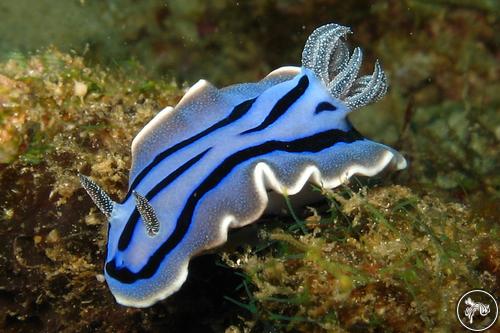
{"type": "Point", "coordinates": [473, 307]}
{"type": "Point", "coordinates": [477, 310]}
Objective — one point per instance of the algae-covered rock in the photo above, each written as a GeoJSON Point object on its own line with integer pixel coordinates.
{"type": "Point", "coordinates": [60, 117]}
{"type": "Point", "coordinates": [382, 259]}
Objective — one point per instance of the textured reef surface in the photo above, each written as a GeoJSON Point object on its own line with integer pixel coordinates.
{"type": "Point", "coordinates": [390, 254]}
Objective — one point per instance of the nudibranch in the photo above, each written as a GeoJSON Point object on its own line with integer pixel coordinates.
{"type": "Point", "coordinates": [208, 164]}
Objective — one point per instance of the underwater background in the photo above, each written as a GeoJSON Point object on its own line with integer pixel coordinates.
{"type": "Point", "coordinates": [79, 79]}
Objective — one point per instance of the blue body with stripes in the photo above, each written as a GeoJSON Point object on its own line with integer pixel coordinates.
{"type": "Point", "coordinates": [207, 165]}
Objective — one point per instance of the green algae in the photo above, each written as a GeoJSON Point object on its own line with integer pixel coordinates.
{"type": "Point", "coordinates": [402, 269]}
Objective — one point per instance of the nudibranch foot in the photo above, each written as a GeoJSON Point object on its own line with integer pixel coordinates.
{"type": "Point", "coordinates": [211, 163]}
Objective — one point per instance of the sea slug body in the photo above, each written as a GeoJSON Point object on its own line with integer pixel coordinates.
{"type": "Point", "coordinates": [207, 165]}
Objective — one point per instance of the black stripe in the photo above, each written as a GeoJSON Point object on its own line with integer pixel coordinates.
{"type": "Point", "coordinates": [325, 106]}
{"type": "Point", "coordinates": [239, 111]}
{"type": "Point", "coordinates": [283, 104]}
{"type": "Point", "coordinates": [128, 231]}
{"type": "Point", "coordinates": [314, 143]}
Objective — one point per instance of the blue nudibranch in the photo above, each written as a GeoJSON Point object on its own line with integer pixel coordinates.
{"type": "Point", "coordinates": [207, 165]}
